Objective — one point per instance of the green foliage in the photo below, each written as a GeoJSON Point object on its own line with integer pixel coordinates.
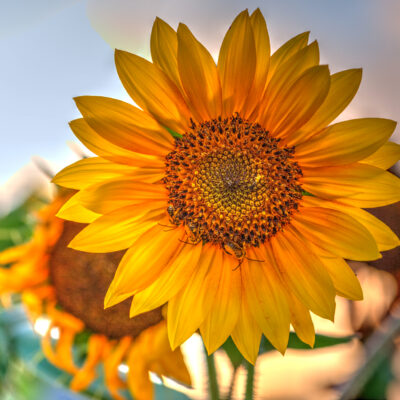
{"type": "Point", "coordinates": [17, 226]}
{"type": "Point", "coordinates": [233, 353]}
{"type": "Point", "coordinates": [173, 133]}
{"type": "Point", "coordinates": [294, 343]}
{"type": "Point", "coordinates": [305, 193]}
{"type": "Point", "coordinates": [376, 387]}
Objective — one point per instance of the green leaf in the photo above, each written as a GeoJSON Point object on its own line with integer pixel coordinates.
{"type": "Point", "coordinates": [376, 387]}
{"type": "Point", "coordinates": [296, 343]}
{"type": "Point", "coordinates": [305, 193]}
{"type": "Point", "coordinates": [173, 133]}
{"type": "Point", "coordinates": [17, 226]}
{"type": "Point", "coordinates": [233, 353]}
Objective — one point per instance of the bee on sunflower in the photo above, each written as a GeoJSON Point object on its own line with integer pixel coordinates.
{"type": "Point", "coordinates": [67, 288]}
{"type": "Point", "coordinates": [236, 196]}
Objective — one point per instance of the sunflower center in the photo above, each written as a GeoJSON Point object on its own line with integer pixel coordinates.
{"type": "Point", "coordinates": [81, 281]}
{"type": "Point", "coordinates": [230, 183]}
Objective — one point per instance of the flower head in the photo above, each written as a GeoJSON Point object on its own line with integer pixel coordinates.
{"type": "Point", "coordinates": [66, 288]}
{"type": "Point", "coordinates": [236, 197]}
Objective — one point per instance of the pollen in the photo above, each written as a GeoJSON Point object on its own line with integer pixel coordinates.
{"type": "Point", "coordinates": [231, 184]}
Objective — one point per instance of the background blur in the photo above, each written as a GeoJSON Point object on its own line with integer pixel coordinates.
{"type": "Point", "coordinates": [53, 50]}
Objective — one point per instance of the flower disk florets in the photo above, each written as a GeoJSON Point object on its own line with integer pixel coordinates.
{"type": "Point", "coordinates": [231, 184]}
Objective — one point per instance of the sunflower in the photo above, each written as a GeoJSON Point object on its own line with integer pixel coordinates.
{"type": "Point", "coordinates": [236, 197]}
{"type": "Point", "coordinates": [67, 289]}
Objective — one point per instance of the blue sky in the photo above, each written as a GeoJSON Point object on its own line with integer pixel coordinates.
{"type": "Point", "coordinates": [55, 50]}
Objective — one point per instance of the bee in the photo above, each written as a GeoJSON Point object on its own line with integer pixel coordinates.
{"type": "Point", "coordinates": [193, 234]}
{"type": "Point", "coordinates": [237, 250]}
{"type": "Point", "coordinates": [173, 217]}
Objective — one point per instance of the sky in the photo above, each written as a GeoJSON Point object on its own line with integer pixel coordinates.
{"type": "Point", "coordinates": [53, 51]}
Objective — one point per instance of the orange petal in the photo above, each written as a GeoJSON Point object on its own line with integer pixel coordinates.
{"type": "Point", "coordinates": [187, 310]}
{"type": "Point", "coordinates": [302, 100]}
{"type": "Point", "coordinates": [336, 232]}
{"type": "Point", "coordinates": [263, 50]}
{"type": "Point", "coordinates": [277, 89]}
{"type": "Point", "coordinates": [111, 152]}
{"type": "Point", "coordinates": [223, 317]}
{"type": "Point", "coordinates": [358, 185]}
{"type": "Point", "coordinates": [143, 262]}
{"type": "Point", "coordinates": [152, 90]}
{"type": "Point", "coordinates": [385, 157]}
{"type": "Point", "coordinates": [87, 374]}
{"type": "Point", "coordinates": [117, 230]}
{"type": "Point", "coordinates": [112, 194]}
{"type": "Point", "coordinates": [170, 281]}
{"type": "Point", "coordinates": [286, 51]}
{"type": "Point", "coordinates": [265, 296]}
{"type": "Point", "coordinates": [89, 171]}
{"type": "Point", "coordinates": [344, 86]}
{"type": "Point", "coordinates": [301, 320]}
{"type": "Point", "coordinates": [247, 333]}
{"type": "Point", "coordinates": [384, 237]}
{"type": "Point", "coordinates": [72, 210]}
{"type": "Point", "coordinates": [124, 125]}
{"type": "Point", "coordinates": [343, 277]}
{"type": "Point", "coordinates": [164, 50]}
{"type": "Point", "coordinates": [304, 272]}
{"type": "Point", "coordinates": [345, 142]}
{"type": "Point", "coordinates": [237, 64]}
{"type": "Point", "coordinates": [199, 76]}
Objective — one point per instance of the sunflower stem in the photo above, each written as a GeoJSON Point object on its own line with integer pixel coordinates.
{"type": "Point", "coordinates": [249, 381]}
{"type": "Point", "coordinates": [212, 377]}
{"type": "Point", "coordinates": [232, 384]}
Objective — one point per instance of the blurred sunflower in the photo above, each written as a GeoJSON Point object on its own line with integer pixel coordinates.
{"type": "Point", "coordinates": [236, 199]}
{"type": "Point", "coordinates": [67, 288]}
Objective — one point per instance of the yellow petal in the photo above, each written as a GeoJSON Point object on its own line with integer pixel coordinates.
{"type": "Point", "coordinates": [237, 64]}
{"type": "Point", "coordinates": [304, 272]}
{"type": "Point", "coordinates": [64, 350]}
{"type": "Point", "coordinates": [112, 194]}
{"type": "Point", "coordinates": [384, 237]}
{"type": "Point", "coordinates": [265, 296]}
{"type": "Point", "coordinates": [138, 378]}
{"type": "Point", "coordinates": [301, 320]}
{"type": "Point", "coordinates": [187, 310]}
{"type": "Point", "coordinates": [385, 157]}
{"type": "Point", "coordinates": [220, 322]}
{"type": "Point", "coordinates": [247, 333]}
{"type": "Point", "coordinates": [199, 76]}
{"type": "Point", "coordinates": [105, 149]}
{"type": "Point", "coordinates": [72, 210]}
{"type": "Point", "coordinates": [170, 281]}
{"type": "Point", "coordinates": [13, 254]}
{"type": "Point", "coordinates": [302, 100]}
{"type": "Point", "coordinates": [343, 278]}
{"type": "Point", "coordinates": [358, 185]}
{"type": "Point", "coordinates": [336, 232]}
{"type": "Point", "coordinates": [143, 263]}
{"type": "Point", "coordinates": [117, 230]}
{"type": "Point", "coordinates": [280, 83]}
{"type": "Point", "coordinates": [87, 374]}
{"type": "Point", "coordinates": [263, 50]}
{"type": "Point", "coordinates": [111, 363]}
{"type": "Point", "coordinates": [286, 51]}
{"type": "Point", "coordinates": [344, 86]}
{"type": "Point", "coordinates": [164, 49]}
{"type": "Point", "coordinates": [89, 171]}
{"type": "Point", "coordinates": [124, 125]}
{"type": "Point", "coordinates": [152, 90]}
{"type": "Point", "coordinates": [345, 142]}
